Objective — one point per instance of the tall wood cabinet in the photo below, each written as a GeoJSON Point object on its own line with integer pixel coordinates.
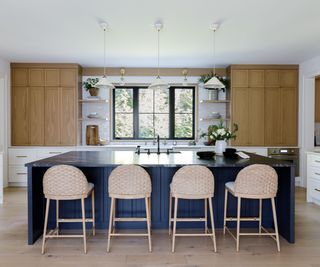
{"type": "Point", "coordinates": [44, 104]}
{"type": "Point", "coordinates": [264, 104]}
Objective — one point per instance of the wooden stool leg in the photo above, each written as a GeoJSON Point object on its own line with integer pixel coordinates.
{"type": "Point", "coordinates": [275, 223]}
{"type": "Point", "coordinates": [57, 216]}
{"type": "Point", "coordinates": [238, 222]}
{"type": "Point", "coordinates": [148, 222]}
{"type": "Point", "coordinates": [110, 223]}
{"type": "Point", "coordinates": [93, 214]}
{"type": "Point", "coordinates": [206, 215]}
{"type": "Point", "coordinates": [212, 225]}
{"type": "Point", "coordinates": [174, 223]}
{"type": "Point", "coordinates": [225, 211]}
{"type": "Point", "coordinates": [260, 215]}
{"type": "Point", "coordinates": [45, 225]}
{"type": "Point", "coordinates": [84, 226]}
{"type": "Point", "coordinates": [114, 216]}
{"type": "Point", "coordinates": [170, 212]}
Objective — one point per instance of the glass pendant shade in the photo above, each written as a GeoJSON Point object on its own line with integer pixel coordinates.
{"type": "Point", "coordinates": [158, 83]}
{"type": "Point", "coordinates": [214, 83]}
{"type": "Point", "coordinates": [104, 83]}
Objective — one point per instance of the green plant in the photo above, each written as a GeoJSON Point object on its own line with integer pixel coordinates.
{"type": "Point", "coordinates": [221, 132]}
{"type": "Point", "coordinates": [90, 83]}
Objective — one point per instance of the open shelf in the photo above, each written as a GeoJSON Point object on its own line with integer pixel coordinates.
{"type": "Point", "coordinates": [214, 119]}
{"type": "Point", "coordinates": [214, 101]}
{"type": "Point", "coordinates": [93, 100]}
{"type": "Point", "coordinates": [93, 119]}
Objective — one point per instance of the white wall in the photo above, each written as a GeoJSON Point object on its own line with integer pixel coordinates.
{"type": "Point", "coordinates": [307, 71]}
{"type": "Point", "coordinates": [4, 107]}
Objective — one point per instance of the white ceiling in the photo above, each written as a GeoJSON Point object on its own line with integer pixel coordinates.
{"type": "Point", "coordinates": [252, 31]}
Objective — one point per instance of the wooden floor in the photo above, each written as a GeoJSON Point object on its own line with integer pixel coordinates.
{"type": "Point", "coordinates": [132, 251]}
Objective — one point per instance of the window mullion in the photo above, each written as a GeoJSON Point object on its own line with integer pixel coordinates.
{"type": "Point", "coordinates": [171, 112]}
{"type": "Point", "coordinates": [135, 113]}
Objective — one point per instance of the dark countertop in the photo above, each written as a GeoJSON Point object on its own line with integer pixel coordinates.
{"type": "Point", "coordinates": [114, 158]}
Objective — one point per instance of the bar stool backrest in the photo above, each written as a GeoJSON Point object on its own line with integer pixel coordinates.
{"type": "Point", "coordinates": [64, 182]}
{"type": "Point", "coordinates": [129, 181]}
{"type": "Point", "coordinates": [256, 181]}
{"type": "Point", "coordinates": [193, 180]}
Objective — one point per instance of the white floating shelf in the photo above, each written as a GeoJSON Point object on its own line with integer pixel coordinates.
{"type": "Point", "coordinates": [214, 101]}
{"type": "Point", "coordinates": [93, 119]}
{"type": "Point", "coordinates": [93, 100]}
{"type": "Point", "coordinates": [214, 119]}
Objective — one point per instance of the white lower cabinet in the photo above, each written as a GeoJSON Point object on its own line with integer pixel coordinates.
{"type": "Point", "coordinates": [1, 178]}
{"type": "Point", "coordinates": [313, 177]}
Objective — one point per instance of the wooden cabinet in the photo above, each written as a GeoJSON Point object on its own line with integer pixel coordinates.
{"type": "Point", "coordinates": [265, 105]}
{"type": "Point", "coordinates": [44, 104]}
{"type": "Point", "coordinates": [317, 100]}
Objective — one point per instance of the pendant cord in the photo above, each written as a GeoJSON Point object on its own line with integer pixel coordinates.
{"type": "Point", "coordinates": [214, 52]}
{"type": "Point", "coordinates": [104, 52]}
{"type": "Point", "coordinates": [158, 52]}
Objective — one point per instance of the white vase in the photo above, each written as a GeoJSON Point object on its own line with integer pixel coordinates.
{"type": "Point", "coordinates": [220, 147]}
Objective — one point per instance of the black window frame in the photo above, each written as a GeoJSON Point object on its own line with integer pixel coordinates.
{"type": "Point", "coordinates": [136, 113]}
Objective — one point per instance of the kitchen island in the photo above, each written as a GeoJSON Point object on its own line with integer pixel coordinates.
{"type": "Point", "coordinates": [97, 166]}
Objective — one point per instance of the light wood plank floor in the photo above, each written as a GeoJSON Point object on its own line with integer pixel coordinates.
{"type": "Point", "coordinates": [191, 251]}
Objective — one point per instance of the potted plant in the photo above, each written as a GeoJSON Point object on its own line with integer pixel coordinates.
{"type": "Point", "coordinates": [218, 135]}
{"type": "Point", "coordinates": [89, 85]}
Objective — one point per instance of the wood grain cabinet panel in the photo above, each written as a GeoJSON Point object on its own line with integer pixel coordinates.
{"type": "Point", "coordinates": [68, 77]}
{"type": "Point", "coordinates": [52, 77]}
{"type": "Point", "coordinates": [317, 100]}
{"type": "Point", "coordinates": [272, 116]}
{"type": "Point", "coordinates": [68, 116]}
{"type": "Point", "coordinates": [256, 78]}
{"type": "Point", "coordinates": [52, 116]}
{"type": "Point", "coordinates": [20, 116]}
{"type": "Point", "coordinates": [36, 114]}
{"type": "Point", "coordinates": [20, 77]}
{"type": "Point", "coordinates": [272, 78]}
{"type": "Point", "coordinates": [288, 78]}
{"type": "Point", "coordinates": [289, 113]}
{"type": "Point", "coordinates": [36, 77]}
{"type": "Point", "coordinates": [240, 78]}
{"type": "Point", "coordinates": [240, 115]}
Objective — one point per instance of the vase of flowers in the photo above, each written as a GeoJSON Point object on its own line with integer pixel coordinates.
{"type": "Point", "coordinates": [89, 85]}
{"type": "Point", "coordinates": [220, 134]}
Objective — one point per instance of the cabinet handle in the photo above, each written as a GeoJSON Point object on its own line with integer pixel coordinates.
{"type": "Point", "coordinates": [21, 156]}
{"type": "Point", "coordinates": [317, 173]}
{"type": "Point", "coordinates": [318, 161]}
{"type": "Point", "coordinates": [21, 173]}
{"type": "Point", "coordinates": [55, 152]}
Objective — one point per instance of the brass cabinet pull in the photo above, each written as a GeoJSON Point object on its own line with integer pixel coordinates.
{"type": "Point", "coordinates": [21, 156]}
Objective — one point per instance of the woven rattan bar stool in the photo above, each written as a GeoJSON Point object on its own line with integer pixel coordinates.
{"type": "Point", "coordinates": [64, 182]}
{"type": "Point", "coordinates": [192, 182]}
{"type": "Point", "coordinates": [129, 182]}
{"type": "Point", "coordinates": [256, 181]}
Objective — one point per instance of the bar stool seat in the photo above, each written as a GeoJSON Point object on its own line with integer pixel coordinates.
{"type": "Point", "coordinates": [192, 182]}
{"type": "Point", "coordinates": [257, 181]}
{"type": "Point", "coordinates": [129, 182]}
{"type": "Point", "coordinates": [63, 182]}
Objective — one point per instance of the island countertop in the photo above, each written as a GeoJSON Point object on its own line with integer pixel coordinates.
{"type": "Point", "coordinates": [114, 158]}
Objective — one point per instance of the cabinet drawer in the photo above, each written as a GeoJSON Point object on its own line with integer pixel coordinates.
{"type": "Point", "coordinates": [314, 189]}
{"type": "Point", "coordinates": [46, 153]}
{"type": "Point", "coordinates": [18, 174]}
{"type": "Point", "coordinates": [21, 156]}
{"type": "Point", "coordinates": [314, 160]}
{"type": "Point", "coordinates": [313, 173]}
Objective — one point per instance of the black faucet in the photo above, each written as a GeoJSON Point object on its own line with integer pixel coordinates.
{"type": "Point", "coordinates": [158, 141]}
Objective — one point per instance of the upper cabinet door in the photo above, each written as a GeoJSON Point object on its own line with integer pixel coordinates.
{"type": "Point", "coordinates": [68, 116]}
{"type": "Point", "coordinates": [239, 78]}
{"type": "Point", "coordinates": [256, 116]}
{"type": "Point", "coordinates": [52, 77]}
{"type": "Point", "coordinates": [289, 114]}
{"type": "Point", "coordinates": [68, 78]}
{"type": "Point", "coordinates": [20, 116]}
{"type": "Point", "coordinates": [20, 77]}
{"type": "Point", "coordinates": [288, 78]}
{"type": "Point", "coordinates": [272, 78]}
{"type": "Point", "coordinates": [256, 78]}
{"type": "Point", "coordinates": [36, 114]}
{"type": "Point", "coordinates": [36, 77]}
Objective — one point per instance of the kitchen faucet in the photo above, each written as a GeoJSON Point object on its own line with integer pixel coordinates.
{"type": "Point", "coordinates": [158, 141]}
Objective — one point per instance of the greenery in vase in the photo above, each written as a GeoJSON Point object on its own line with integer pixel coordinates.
{"type": "Point", "coordinates": [221, 132]}
{"type": "Point", "coordinates": [90, 83]}
{"type": "Point", "coordinates": [206, 77]}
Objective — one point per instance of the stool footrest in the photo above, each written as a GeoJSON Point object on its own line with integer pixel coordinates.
{"type": "Point", "coordinates": [130, 219]}
{"type": "Point", "coordinates": [208, 234]}
{"type": "Point", "coordinates": [190, 219]}
{"type": "Point", "coordinates": [60, 220]}
{"type": "Point", "coordinates": [249, 219]}
{"type": "Point", "coordinates": [128, 234]}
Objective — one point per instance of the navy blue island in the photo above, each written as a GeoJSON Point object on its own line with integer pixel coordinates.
{"type": "Point", "coordinates": [97, 166]}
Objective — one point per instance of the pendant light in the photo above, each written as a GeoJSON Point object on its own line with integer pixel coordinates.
{"type": "Point", "coordinates": [214, 82]}
{"type": "Point", "coordinates": [158, 82]}
{"type": "Point", "coordinates": [104, 81]}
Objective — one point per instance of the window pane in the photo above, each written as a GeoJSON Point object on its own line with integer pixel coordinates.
{"type": "Point", "coordinates": [145, 100]}
{"type": "Point", "coordinates": [183, 126]}
{"type": "Point", "coordinates": [162, 125]}
{"type": "Point", "coordinates": [123, 100]}
{"type": "Point", "coordinates": [145, 125]}
{"type": "Point", "coordinates": [183, 101]}
{"type": "Point", "coordinates": [123, 125]}
{"type": "Point", "coordinates": [162, 101]}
